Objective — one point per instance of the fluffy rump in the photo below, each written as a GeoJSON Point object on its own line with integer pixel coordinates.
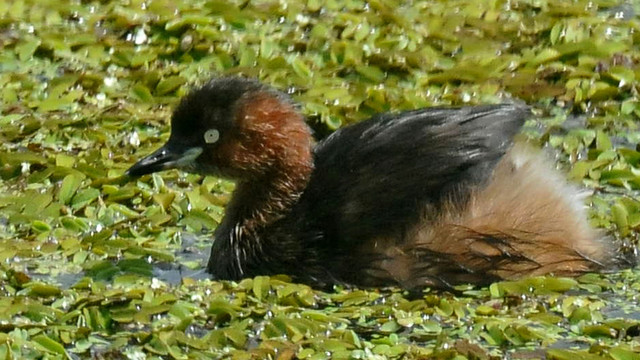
{"type": "Point", "coordinates": [526, 220]}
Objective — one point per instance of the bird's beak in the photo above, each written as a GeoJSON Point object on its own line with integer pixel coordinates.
{"type": "Point", "coordinates": [167, 157]}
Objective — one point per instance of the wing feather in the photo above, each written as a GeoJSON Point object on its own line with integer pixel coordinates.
{"type": "Point", "coordinates": [374, 178]}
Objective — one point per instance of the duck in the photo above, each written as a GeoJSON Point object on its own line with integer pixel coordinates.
{"type": "Point", "coordinates": [433, 197]}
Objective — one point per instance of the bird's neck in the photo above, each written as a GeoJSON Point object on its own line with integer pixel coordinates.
{"type": "Point", "coordinates": [275, 162]}
{"type": "Point", "coordinates": [248, 238]}
{"type": "Point", "coordinates": [260, 202]}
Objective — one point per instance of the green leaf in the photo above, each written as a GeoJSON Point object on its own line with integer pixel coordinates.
{"type": "Point", "coordinates": [84, 197]}
{"type": "Point", "coordinates": [619, 353]}
{"type": "Point", "coordinates": [622, 74]}
{"type": "Point", "coordinates": [300, 68]}
{"type": "Point", "coordinates": [169, 84]}
{"type": "Point", "coordinates": [50, 345]}
{"type": "Point", "coordinates": [620, 217]}
{"type": "Point", "coordinates": [390, 327]}
{"type": "Point", "coordinates": [27, 48]}
{"type": "Point", "coordinates": [563, 354]}
{"type": "Point", "coordinates": [43, 290]}
{"type": "Point", "coordinates": [372, 73]}
{"type": "Point", "coordinates": [70, 185]}
{"type": "Point", "coordinates": [141, 92]}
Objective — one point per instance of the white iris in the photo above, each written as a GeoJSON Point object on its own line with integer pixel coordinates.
{"type": "Point", "coordinates": [211, 136]}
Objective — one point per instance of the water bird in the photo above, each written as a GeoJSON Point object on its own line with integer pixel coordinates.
{"type": "Point", "coordinates": [432, 197]}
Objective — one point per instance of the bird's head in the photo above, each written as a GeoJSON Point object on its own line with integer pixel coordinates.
{"type": "Point", "coordinates": [232, 127]}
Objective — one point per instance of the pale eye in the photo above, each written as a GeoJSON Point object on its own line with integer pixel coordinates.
{"type": "Point", "coordinates": [211, 136]}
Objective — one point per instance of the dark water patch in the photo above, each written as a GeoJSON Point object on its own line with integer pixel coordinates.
{"type": "Point", "coordinates": [174, 273]}
{"type": "Point", "coordinates": [62, 280]}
